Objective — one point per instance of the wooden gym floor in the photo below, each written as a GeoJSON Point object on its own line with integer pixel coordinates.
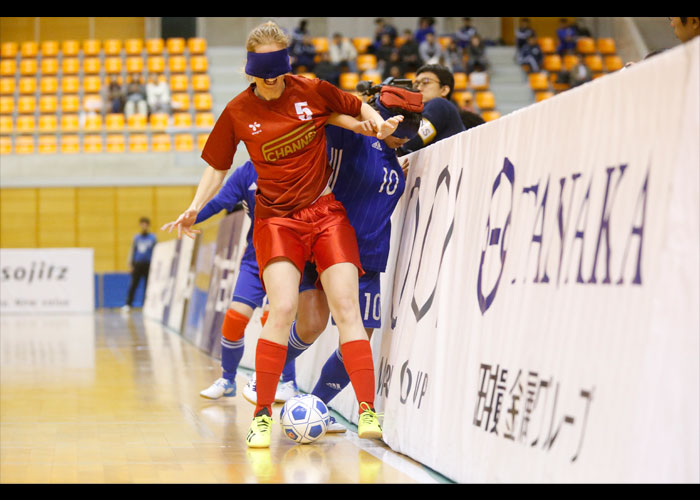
{"type": "Point", "coordinates": [111, 398]}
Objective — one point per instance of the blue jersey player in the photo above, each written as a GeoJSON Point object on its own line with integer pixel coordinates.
{"type": "Point", "coordinates": [248, 293]}
{"type": "Point", "coordinates": [368, 180]}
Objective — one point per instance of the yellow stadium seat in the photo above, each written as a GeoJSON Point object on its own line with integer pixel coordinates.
{"type": "Point", "coordinates": [24, 144]}
{"type": "Point", "coordinates": [26, 104]}
{"type": "Point", "coordinates": [585, 45]}
{"type": "Point", "coordinates": [606, 46]}
{"type": "Point", "coordinates": [91, 47]}
{"type": "Point", "coordinates": [133, 46]}
{"type": "Point", "coordinates": [361, 44]}
{"type": "Point", "coordinates": [177, 64]}
{"type": "Point", "coordinates": [199, 64]}
{"type": "Point", "coordinates": [70, 144]}
{"type": "Point", "coordinates": [371, 76]}
{"type": "Point", "coordinates": [613, 63]}
{"type": "Point", "coordinates": [112, 47]}
{"type": "Point", "coordinates": [70, 122]}
{"type": "Point", "coordinates": [547, 44]}
{"type": "Point", "coordinates": [134, 64]}
{"type": "Point", "coordinates": [27, 85]}
{"type": "Point", "coordinates": [485, 100]}
{"type": "Point", "coordinates": [180, 101]}
{"type": "Point", "coordinates": [490, 115]}
{"type": "Point", "coordinates": [155, 64]}
{"type": "Point", "coordinates": [114, 121]}
{"type": "Point", "coordinates": [184, 142]}
{"type": "Point", "coordinates": [6, 124]}
{"type": "Point", "coordinates": [5, 145]}
{"type": "Point", "coordinates": [48, 123]}
{"type": "Point", "coordinates": [137, 121]}
{"type": "Point", "coordinates": [70, 65]}
{"type": "Point", "coordinates": [92, 84]}
{"type": "Point", "coordinates": [8, 67]}
{"type": "Point", "coordinates": [70, 103]}
{"type": "Point", "coordinates": [9, 50]}
{"type": "Point", "coordinates": [7, 86]}
{"type": "Point", "coordinates": [366, 61]}
{"type": "Point", "coordinates": [178, 83]}
{"type": "Point", "coordinates": [552, 62]}
{"type": "Point", "coordinates": [48, 85]}
{"type": "Point", "coordinates": [348, 81]}
{"type": "Point", "coordinates": [320, 43]}
{"type": "Point", "coordinates": [29, 49]}
{"type": "Point", "coordinates": [204, 119]}
{"type": "Point", "coordinates": [70, 48]}
{"type": "Point", "coordinates": [542, 95]}
{"type": "Point", "coordinates": [570, 60]}
{"type": "Point", "coordinates": [201, 141]}
{"type": "Point", "coordinates": [7, 104]}
{"type": "Point", "coordinates": [92, 65]}
{"type": "Point", "coordinates": [201, 83]}
{"type": "Point", "coordinates": [92, 143]}
{"type": "Point", "coordinates": [50, 48]}
{"type": "Point", "coordinates": [444, 41]}
{"type": "Point", "coordinates": [154, 46]}
{"type": "Point", "coordinates": [113, 64]}
{"type": "Point", "coordinates": [594, 63]}
{"type": "Point", "coordinates": [28, 67]}
{"type": "Point", "coordinates": [93, 122]}
{"type": "Point", "coordinates": [202, 101]}
{"type": "Point", "coordinates": [25, 123]}
{"type": "Point", "coordinates": [48, 144]}
{"type": "Point", "coordinates": [175, 45]}
{"type": "Point", "coordinates": [182, 120]}
{"type": "Point", "coordinates": [196, 45]}
{"type": "Point", "coordinates": [49, 66]}
{"type": "Point", "coordinates": [158, 121]}
{"type": "Point", "coordinates": [463, 98]}
{"type": "Point", "coordinates": [461, 80]}
{"type": "Point", "coordinates": [138, 143]}
{"type": "Point", "coordinates": [538, 81]}
{"type": "Point", "coordinates": [116, 143]}
{"type": "Point", "coordinates": [48, 103]}
{"type": "Point", "coordinates": [160, 143]}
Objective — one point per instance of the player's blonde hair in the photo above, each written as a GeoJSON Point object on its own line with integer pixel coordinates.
{"type": "Point", "coordinates": [268, 32]}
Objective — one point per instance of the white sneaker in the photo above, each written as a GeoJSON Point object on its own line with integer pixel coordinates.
{"type": "Point", "coordinates": [221, 387]}
{"type": "Point", "coordinates": [125, 309]}
{"type": "Point", "coordinates": [285, 391]}
{"type": "Point", "coordinates": [334, 426]}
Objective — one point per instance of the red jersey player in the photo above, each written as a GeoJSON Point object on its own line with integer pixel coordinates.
{"type": "Point", "coordinates": [280, 118]}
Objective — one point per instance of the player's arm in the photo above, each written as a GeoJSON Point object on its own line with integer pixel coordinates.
{"type": "Point", "coordinates": [366, 124]}
{"type": "Point", "coordinates": [226, 199]}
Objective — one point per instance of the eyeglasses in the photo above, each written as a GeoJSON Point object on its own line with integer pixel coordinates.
{"type": "Point", "coordinates": [424, 81]}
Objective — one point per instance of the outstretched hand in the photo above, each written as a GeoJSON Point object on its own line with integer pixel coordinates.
{"type": "Point", "coordinates": [389, 126]}
{"type": "Point", "coordinates": [184, 224]}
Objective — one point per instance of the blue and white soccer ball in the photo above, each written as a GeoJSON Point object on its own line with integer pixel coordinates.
{"type": "Point", "coordinates": [304, 418]}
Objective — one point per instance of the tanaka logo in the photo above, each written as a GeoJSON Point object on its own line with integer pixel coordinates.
{"type": "Point", "coordinates": [579, 230]}
{"type": "Point", "coordinates": [36, 271]}
{"type": "Point", "coordinates": [289, 143]}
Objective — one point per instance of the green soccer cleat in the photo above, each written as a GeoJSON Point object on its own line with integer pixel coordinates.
{"type": "Point", "coordinates": [368, 424]}
{"type": "Point", "coordinates": [259, 433]}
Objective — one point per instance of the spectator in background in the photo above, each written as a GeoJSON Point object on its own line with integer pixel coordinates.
{"type": "Point", "coordinates": [470, 118]}
{"type": "Point", "coordinates": [299, 33]}
{"type": "Point", "coordinates": [685, 28]}
{"type": "Point", "coordinates": [430, 49]}
{"type": "Point", "coordinates": [326, 70]}
{"type": "Point", "coordinates": [454, 58]}
{"type": "Point", "coordinates": [566, 34]}
{"type": "Point", "coordinates": [476, 52]}
{"type": "Point", "coordinates": [465, 33]}
{"type": "Point", "coordinates": [393, 66]}
{"type": "Point", "coordinates": [425, 26]}
{"type": "Point", "coordinates": [523, 34]}
{"type": "Point", "coordinates": [303, 55]}
{"type": "Point", "coordinates": [531, 55]}
{"type": "Point", "coordinates": [478, 77]}
{"type": "Point", "coordinates": [342, 53]}
{"type": "Point", "coordinates": [115, 96]}
{"type": "Point", "coordinates": [409, 54]}
{"type": "Point", "coordinates": [140, 259]}
{"type": "Point", "coordinates": [158, 94]}
{"type": "Point", "coordinates": [384, 51]}
{"type": "Point", "coordinates": [440, 115]}
{"type": "Point", "coordinates": [580, 28]}
{"type": "Point", "coordinates": [135, 97]}
{"type": "Point", "coordinates": [381, 28]}
{"type": "Point", "coordinates": [579, 74]}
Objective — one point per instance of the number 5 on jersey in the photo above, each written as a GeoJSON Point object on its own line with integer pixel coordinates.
{"type": "Point", "coordinates": [303, 111]}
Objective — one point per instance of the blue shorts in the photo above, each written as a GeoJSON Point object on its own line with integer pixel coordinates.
{"type": "Point", "coordinates": [370, 294]}
{"type": "Point", "coordinates": [248, 288]}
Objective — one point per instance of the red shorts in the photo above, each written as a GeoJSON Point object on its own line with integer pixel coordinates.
{"type": "Point", "coordinates": [320, 233]}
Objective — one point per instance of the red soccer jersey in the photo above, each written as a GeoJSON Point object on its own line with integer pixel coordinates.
{"type": "Point", "coordinates": [285, 139]}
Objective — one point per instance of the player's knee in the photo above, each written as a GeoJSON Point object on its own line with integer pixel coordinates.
{"type": "Point", "coordinates": [309, 328]}
{"type": "Point", "coordinates": [346, 310]}
{"type": "Point", "coordinates": [282, 312]}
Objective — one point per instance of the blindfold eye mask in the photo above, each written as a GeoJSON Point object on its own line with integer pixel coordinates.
{"type": "Point", "coordinates": [268, 64]}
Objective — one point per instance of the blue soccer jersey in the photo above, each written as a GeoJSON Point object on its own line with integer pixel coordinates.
{"type": "Point", "coordinates": [367, 179]}
{"type": "Point", "coordinates": [240, 187]}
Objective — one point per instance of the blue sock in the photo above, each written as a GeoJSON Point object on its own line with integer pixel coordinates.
{"type": "Point", "coordinates": [334, 378]}
{"type": "Point", "coordinates": [295, 347]}
{"type": "Point", "coordinates": [231, 354]}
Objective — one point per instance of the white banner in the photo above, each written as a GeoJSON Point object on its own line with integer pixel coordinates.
{"type": "Point", "coordinates": [161, 283]}
{"type": "Point", "coordinates": [47, 280]}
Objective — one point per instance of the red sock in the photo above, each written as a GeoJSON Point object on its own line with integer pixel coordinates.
{"type": "Point", "coordinates": [357, 357]}
{"type": "Point", "coordinates": [269, 362]}
{"type": "Point", "coordinates": [234, 325]}
{"type": "Point", "coordinates": [263, 318]}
